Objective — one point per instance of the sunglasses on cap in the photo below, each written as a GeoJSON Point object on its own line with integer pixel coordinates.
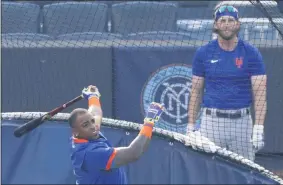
{"type": "Point", "coordinates": [226, 10]}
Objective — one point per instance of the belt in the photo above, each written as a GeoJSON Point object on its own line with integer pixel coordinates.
{"type": "Point", "coordinates": [228, 115]}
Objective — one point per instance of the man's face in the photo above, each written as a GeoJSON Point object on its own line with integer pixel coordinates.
{"type": "Point", "coordinates": [85, 126]}
{"type": "Point", "coordinates": [228, 27]}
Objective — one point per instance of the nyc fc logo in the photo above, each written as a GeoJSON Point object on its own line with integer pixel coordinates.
{"type": "Point", "coordinates": [171, 86]}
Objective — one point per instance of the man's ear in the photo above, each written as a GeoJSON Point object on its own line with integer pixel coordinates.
{"type": "Point", "coordinates": [214, 29]}
{"type": "Point", "coordinates": [214, 25]}
{"type": "Point", "coordinates": [239, 23]}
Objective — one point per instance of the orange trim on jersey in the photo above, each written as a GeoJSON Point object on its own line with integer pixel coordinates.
{"type": "Point", "coordinates": [146, 131]}
{"type": "Point", "coordinates": [76, 140]}
{"type": "Point", "coordinates": [109, 163]}
{"type": "Point", "coordinates": [94, 101]}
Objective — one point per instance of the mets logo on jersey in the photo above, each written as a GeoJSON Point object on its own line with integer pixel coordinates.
{"type": "Point", "coordinates": [171, 86]}
{"type": "Point", "coordinates": [239, 62]}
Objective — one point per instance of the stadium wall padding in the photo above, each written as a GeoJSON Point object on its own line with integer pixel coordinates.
{"type": "Point", "coordinates": [43, 157]}
{"type": "Point", "coordinates": [274, 118]}
{"type": "Point", "coordinates": [42, 78]}
{"type": "Point", "coordinates": [133, 68]}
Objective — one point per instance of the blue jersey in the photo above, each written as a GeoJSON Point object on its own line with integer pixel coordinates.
{"type": "Point", "coordinates": [91, 160]}
{"type": "Point", "coordinates": [227, 74]}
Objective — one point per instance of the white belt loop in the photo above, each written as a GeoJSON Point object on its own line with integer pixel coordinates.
{"type": "Point", "coordinates": [204, 110]}
{"type": "Point", "coordinates": [243, 111]}
{"type": "Point", "coordinates": [213, 111]}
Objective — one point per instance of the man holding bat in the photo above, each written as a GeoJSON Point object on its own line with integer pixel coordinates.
{"type": "Point", "coordinates": [94, 160]}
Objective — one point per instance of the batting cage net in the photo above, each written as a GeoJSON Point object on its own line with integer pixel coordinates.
{"type": "Point", "coordinates": [195, 141]}
{"type": "Point", "coordinates": [225, 94]}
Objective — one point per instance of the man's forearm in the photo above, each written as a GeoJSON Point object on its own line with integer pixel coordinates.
{"type": "Point", "coordinates": [196, 94]}
{"type": "Point", "coordinates": [260, 112]}
{"type": "Point", "coordinates": [139, 145]}
{"type": "Point", "coordinates": [260, 109]}
{"type": "Point", "coordinates": [194, 106]}
{"type": "Point", "coordinates": [259, 92]}
{"type": "Point", "coordinates": [94, 108]}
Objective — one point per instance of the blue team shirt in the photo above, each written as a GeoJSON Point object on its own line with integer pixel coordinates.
{"type": "Point", "coordinates": [227, 74]}
{"type": "Point", "coordinates": [91, 160]}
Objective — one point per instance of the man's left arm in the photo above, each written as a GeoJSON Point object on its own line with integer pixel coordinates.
{"type": "Point", "coordinates": [259, 94]}
{"type": "Point", "coordinates": [259, 83]}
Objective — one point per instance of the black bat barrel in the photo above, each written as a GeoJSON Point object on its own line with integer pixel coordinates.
{"type": "Point", "coordinates": [23, 129]}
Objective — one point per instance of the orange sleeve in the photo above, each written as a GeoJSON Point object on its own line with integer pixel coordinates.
{"type": "Point", "coordinates": [94, 101]}
{"type": "Point", "coordinates": [146, 130]}
{"type": "Point", "coordinates": [110, 160]}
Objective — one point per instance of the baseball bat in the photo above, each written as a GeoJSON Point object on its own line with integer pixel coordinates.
{"type": "Point", "coordinates": [29, 126]}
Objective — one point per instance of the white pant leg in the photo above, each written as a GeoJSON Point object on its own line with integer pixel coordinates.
{"type": "Point", "coordinates": [241, 142]}
{"type": "Point", "coordinates": [215, 129]}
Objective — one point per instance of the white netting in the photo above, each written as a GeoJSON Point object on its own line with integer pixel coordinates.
{"type": "Point", "coordinates": [196, 141]}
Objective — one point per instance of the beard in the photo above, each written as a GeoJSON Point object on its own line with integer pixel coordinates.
{"type": "Point", "coordinates": [225, 36]}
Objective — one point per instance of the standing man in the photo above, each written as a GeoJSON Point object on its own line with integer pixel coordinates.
{"type": "Point", "coordinates": [94, 160]}
{"type": "Point", "coordinates": [229, 76]}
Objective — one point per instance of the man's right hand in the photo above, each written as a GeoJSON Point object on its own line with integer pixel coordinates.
{"type": "Point", "coordinates": [154, 112]}
{"type": "Point", "coordinates": [90, 91]}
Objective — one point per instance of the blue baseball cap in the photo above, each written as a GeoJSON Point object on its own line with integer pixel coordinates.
{"type": "Point", "coordinates": [227, 10]}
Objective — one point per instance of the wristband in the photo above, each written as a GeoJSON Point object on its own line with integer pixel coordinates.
{"type": "Point", "coordinates": [147, 130]}
{"type": "Point", "coordinates": [94, 101]}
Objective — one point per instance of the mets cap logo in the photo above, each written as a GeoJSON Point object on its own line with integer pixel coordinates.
{"type": "Point", "coordinates": [171, 86]}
